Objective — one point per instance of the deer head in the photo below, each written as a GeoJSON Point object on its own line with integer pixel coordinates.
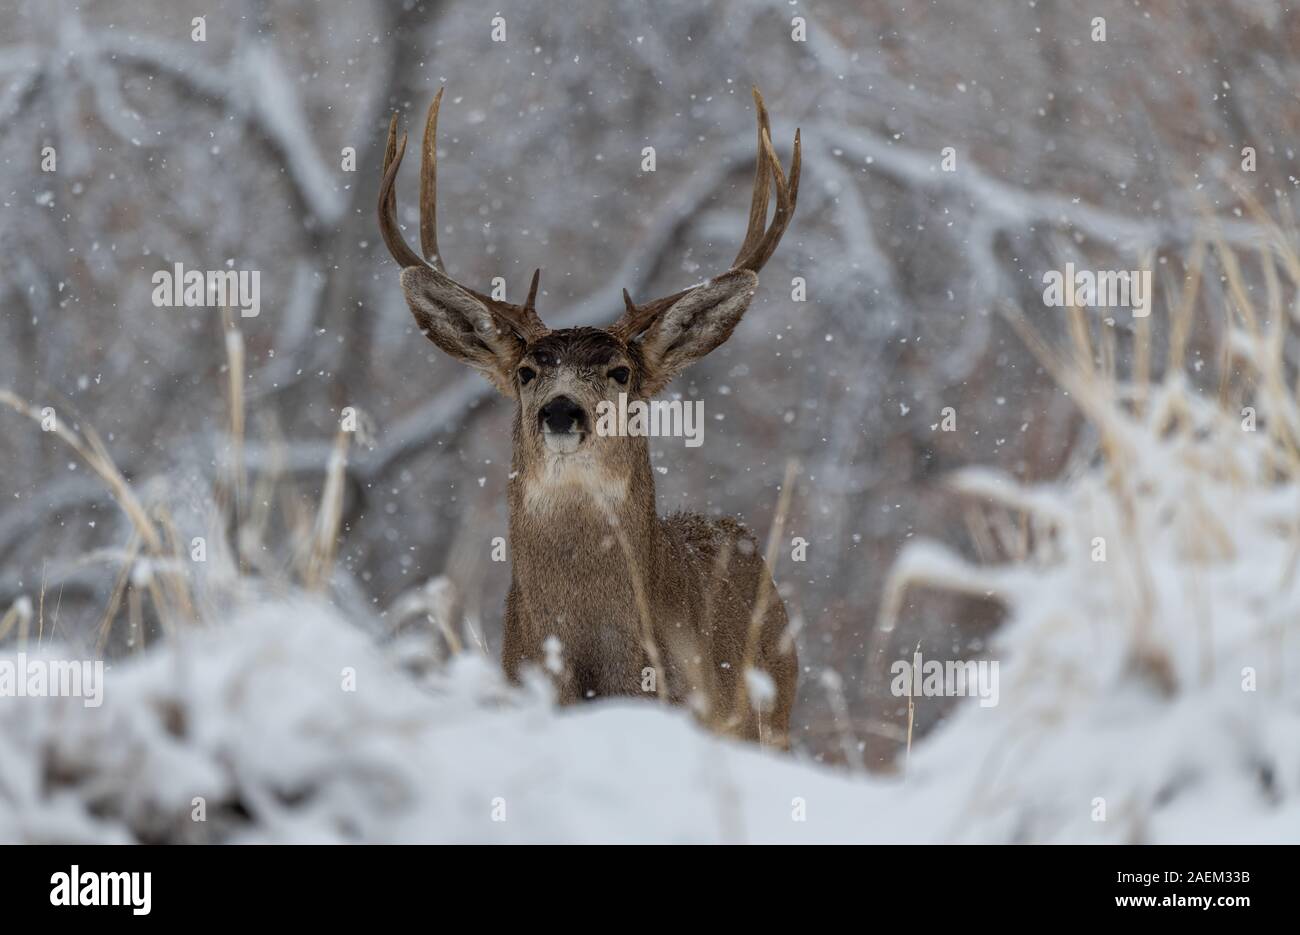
{"type": "Point", "coordinates": [558, 378]}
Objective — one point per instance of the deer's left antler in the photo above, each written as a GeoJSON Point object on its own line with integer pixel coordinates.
{"type": "Point", "coordinates": [760, 238]}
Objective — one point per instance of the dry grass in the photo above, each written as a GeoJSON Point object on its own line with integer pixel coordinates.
{"type": "Point", "coordinates": [158, 587]}
{"type": "Point", "coordinates": [1136, 401]}
{"type": "Point", "coordinates": [724, 718]}
{"type": "Point", "coordinates": [763, 600]}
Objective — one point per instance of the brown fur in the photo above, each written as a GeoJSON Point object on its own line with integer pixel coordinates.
{"type": "Point", "coordinates": [605, 595]}
{"type": "Point", "coordinates": [576, 579]}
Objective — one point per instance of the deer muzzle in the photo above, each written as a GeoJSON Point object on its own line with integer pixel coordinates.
{"type": "Point", "coordinates": [563, 423]}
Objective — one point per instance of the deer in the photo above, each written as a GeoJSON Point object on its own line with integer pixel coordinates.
{"type": "Point", "coordinates": [606, 596]}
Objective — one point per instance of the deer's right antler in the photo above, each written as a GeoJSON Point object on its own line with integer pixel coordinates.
{"type": "Point", "coordinates": [522, 319]}
{"type": "Point", "coordinates": [760, 239]}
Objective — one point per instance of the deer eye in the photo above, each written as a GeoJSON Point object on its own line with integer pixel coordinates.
{"type": "Point", "coordinates": [526, 374]}
{"type": "Point", "coordinates": [544, 358]}
{"type": "Point", "coordinates": [620, 374]}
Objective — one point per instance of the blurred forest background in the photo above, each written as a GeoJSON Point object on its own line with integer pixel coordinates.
{"type": "Point", "coordinates": [229, 152]}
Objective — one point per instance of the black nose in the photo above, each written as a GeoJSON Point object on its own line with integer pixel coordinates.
{"type": "Point", "coordinates": [561, 413]}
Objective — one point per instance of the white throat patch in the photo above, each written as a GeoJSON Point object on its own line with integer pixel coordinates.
{"type": "Point", "coordinates": [566, 479]}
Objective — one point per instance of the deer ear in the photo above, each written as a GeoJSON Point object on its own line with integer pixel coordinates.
{"type": "Point", "coordinates": [462, 326]}
{"type": "Point", "coordinates": [693, 326]}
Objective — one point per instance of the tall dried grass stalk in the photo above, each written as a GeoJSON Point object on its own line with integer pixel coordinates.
{"type": "Point", "coordinates": [1258, 341]}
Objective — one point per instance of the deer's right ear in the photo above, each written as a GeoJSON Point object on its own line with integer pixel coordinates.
{"type": "Point", "coordinates": [462, 326]}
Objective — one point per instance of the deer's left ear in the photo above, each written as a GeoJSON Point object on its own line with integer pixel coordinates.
{"type": "Point", "coordinates": [693, 326]}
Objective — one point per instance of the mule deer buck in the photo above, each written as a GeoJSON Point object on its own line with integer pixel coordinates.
{"type": "Point", "coordinates": [628, 602]}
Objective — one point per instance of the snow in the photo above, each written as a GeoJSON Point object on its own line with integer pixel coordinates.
{"type": "Point", "coordinates": [255, 713]}
{"type": "Point", "coordinates": [1145, 694]}
{"type": "Point", "coordinates": [256, 718]}
{"type": "Point", "coordinates": [1154, 681]}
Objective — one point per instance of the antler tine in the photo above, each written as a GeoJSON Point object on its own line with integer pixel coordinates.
{"type": "Point", "coordinates": [761, 239]}
{"type": "Point", "coordinates": [637, 318]}
{"type": "Point", "coordinates": [530, 304]}
{"type": "Point", "coordinates": [429, 185]}
{"type": "Point", "coordinates": [528, 319]}
{"type": "Point", "coordinates": [787, 193]}
{"type": "Point", "coordinates": [758, 203]}
{"type": "Point", "coordinates": [388, 228]}
{"type": "Point", "coordinates": [522, 319]}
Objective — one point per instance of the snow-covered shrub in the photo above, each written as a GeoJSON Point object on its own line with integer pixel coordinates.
{"type": "Point", "coordinates": [1147, 684]}
{"type": "Point", "coordinates": [1148, 668]}
{"type": "Point", "coordinates": [286, 724]}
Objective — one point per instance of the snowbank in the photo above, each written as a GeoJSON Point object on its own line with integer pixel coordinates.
{"type": "Point", "coordinates": [1148, 668]}
{"type": "Point", "coordinates": [254, 719]}
{"type": "Point", "coordinates": [1148, 692]}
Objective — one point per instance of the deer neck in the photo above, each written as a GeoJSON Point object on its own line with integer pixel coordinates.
{"type": "Point", "coordinates": [581, 523]}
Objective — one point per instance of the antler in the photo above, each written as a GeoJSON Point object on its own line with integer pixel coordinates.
{"type": "Point", "coordinates": [522, 319]}
{"type": "Point", "coordinates": [760, 239]}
